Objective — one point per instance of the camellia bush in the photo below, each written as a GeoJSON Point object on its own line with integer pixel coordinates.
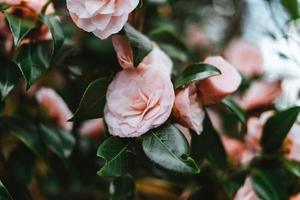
{"type": "Point", "coordinates": [144, 100]}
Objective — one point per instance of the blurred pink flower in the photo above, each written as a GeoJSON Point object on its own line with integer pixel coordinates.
{"type": "Point", "coordinates": [188, 109]}
{"type": "Point", "coordinates": [101, 17]}
{"type": "Point", "coordinates": [295, 197]}
{"type": "Point", "coordinates": [234, 148]}
{"type": "Point", "coordinates": [94, 128]}
{"type": "Point", "coordinates": [246, 192]}
{"type": "Point", "coordinates": [196, 38]}
{"type": "Point", "coordinates": [260, 94]}
{"type": "Point", "coordinates": [56, 107]}
{"type": "Point", "coordinates": [245, 56]}
{"type": "Point", "coordinates": [215, 88]}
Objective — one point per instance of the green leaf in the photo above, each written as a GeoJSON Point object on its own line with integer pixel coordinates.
{"type": "Point", "coordinates": [4, 6]}
{"type": "Point", "coordinates": [292, 166]}
{"type": "Point", "coordinates": [56, 32]}
{"type": "Point", "coordinates": [4, 194]}
{"type": "Point", "coordinates": [117, 155]}
{"type": "Point", "coordinates": [33, 61]}
{"type": "Point", "coordinates": [277, 127]}
{"type": "Point", "coordinates": [236, 109]}
{"type": "Point", "coordinates": [292, 6]}
{"type": "Point", "coordinates": [267, 185]}
{"type": "Point", "coordinates": [122, 188]}
{"type": "Point", "coordinates": [196, 72]}
{"type": "Point", "coordinates": [93, 101]}
{"type": "Point", "coordinates": [60, 141]}
{"type": "Point", "coordinates": [209, 145]}
{"type": "Point", "coordinates": [166, 36]}
{"type": "Point", "coordinates": [140, 44]}
{"type": "Point", "coordinates": [26, 133]}
{"type": "Point", "coordinates": [9, 77]}
{"type": "Point", "coordinates": [19, 27]}
{"type": "Point", "coordinates": [168, 148]}
{"type": "Point", "coordinates": [25, 158]}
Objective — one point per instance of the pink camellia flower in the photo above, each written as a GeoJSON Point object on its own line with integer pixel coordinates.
{"type": "Point", "coordinates": [188, 109]}
{"type": "Point", "coordinates": [234, 148]}
{"type": "Point", "coordinates": [101, 17]}
{"type": "Point", "coordinates": [245, 56]}
{"type": "Point", "coordinates": [295, 197]}
{"type": "Point", "coordinates": [138, 99]}
{"type": "Point", "coordinates": [94, 128]}
{"type": "Point", "coordinates": [55, 106]}
{"type": "Point", "coordinates": [11, 2]}
{"type": "Point", "coordinates": [215, 88]}
{"type": "Point", "coordinates": [260, 94]}
{"type": "Point", "coordinates": [196, 38]}
{"type": "Point", "coordinates": [246, 192]}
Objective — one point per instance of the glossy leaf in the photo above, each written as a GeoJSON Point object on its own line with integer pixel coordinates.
{"type": "Point", "coordinates": [33, 60]}
{"type": "Point", "coordinates": [93, 101]}
{"type": "Point", "coordinates": [122, 188]}
{"type": "Point", "coordinates": [60, 141]}
{"type": "Point", "coordinates": [166, 36]}
{"type": "Point", "coordinates": [4, 194]}
{"type": "Point", "coordinates": [292, 166]}
{"type": "Point", "coordinates": [140, 44]}
{"type": "Point", "coordinates": [19, 27]}
{"type": "Point", "coordinates": [9, 77]}
{"type": "Point", "coordinates": [277, 127]}
{"type": "Point", "coordinates": [117, 155]}
{"type": "Point", "coordinates": [236, 109]}
{"type": "Point", "coordinates": [292, 6]}
{"type": "Point", "coordinates": [168, 148]}
{"type": "Point", "coordinates": [196, 72]}
{"type": "Point", "coordinates": [267, 186]}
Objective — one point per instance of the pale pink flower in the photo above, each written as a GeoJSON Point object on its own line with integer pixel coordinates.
{"type": "Point", "coordinates": [11, 2]}
{"type": "Point", "coordinates": [186, 133]}
{"type": "Point", "coordinates": [196, 38]}
{"type": "Point", "coordinates": [292, 144]}
{"type": "Point", "coordinates": [245, 56]}
{"type": "Point", "coordinates": [215, 88]}
{"type": "Point", "coordinates": [260, 94]}
{"type": "Point", "coordinates": [248, 155]}
{"type": "Point", "coordinates": [55, 106]}
{"type": "Point", "coordinates": [155, 58]}
{"type": "Point", "coordinates": [188, 109]}
{"type": "Point", "coordinates": [138, 99]}
{"type": "Point", "coordinates": [246, 192]}
{"type": "Point", "coordinates": [233, 147]}
{"type": "Point", "coordinates": [295, 197]}
{"type": "Point", "coordinates": [93, 128]}
{"type": "Point", "coordinates": [101, 17]}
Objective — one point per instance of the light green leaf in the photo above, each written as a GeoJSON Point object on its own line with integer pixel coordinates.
{"type": "Point", "coordinates": [168, 148]}
{"type": "Point", "coordinates": [196, 72]}
{"type": "Point", "coordinates": [292, 166]}
{"type": "Point", "coordinates": [93, 101]}
{"type": "Point", "coordinates": [118, 158]}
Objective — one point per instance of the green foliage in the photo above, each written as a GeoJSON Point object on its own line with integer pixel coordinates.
{"type": "Point", "coordinates": [236, 109]}
{"type": "Point", "coordinates": [4, 195]}
{"type": "Point", "coordinates": [122, 188]}
{"type": "Point", "coordinates": [292, 6]}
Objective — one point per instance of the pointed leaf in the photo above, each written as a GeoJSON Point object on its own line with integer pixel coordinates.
{"type": "Point", "coordinates": [93, 101]}
{"type": "Point", "coordinates": [292, 6]}
{"type": "Point", "coordinates": [196, 72]}
{"type": "Point", "coordinates": [122, 188]}
{"type": "Point", "coordinates": [292, 166]}
{"type": "Point", "coordinates": [117, 155]}
{"type": "Point", "coordinates": [4, 195]}
{"type": "Point", "coordinates": [236, 109]}
{"type": "Point", "coordinates": [277, 128]}
{"type": "Point", "coordinates": [168, 148]}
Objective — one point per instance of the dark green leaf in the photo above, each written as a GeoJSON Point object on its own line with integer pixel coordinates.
{"type": "Point", "coordinates": [19, 27]}
{"type": "Point", "coordinates": [4, 6]}
{"type": "Point", "coordinates": [168, 148]}
{"type": "Point", "coordinates": [33, 60]}
{"type": "Point", "coordinates": [236, 109]}
{"type": "Point", "coordinates": [292, 6]}
{"type": "Point", "coordinates": [174, 53]}
{"type": "Point", "coordinates": [117, 155]}
{"type": "Point", "coordinates": [140, 44]}
{"type": "Point", "coordinates": [292, 166]}
{"type": "Point", "coordinates": [4, 195]}
{"type": "Point", "coordinates": [56, 32]}
{"type": "Point", "coordinates": [209, 145]}
{"type": "Point", "coordinates": [93, 101]}
{"type": "Point", "coordinates": [9, 76]}
{"type": "Point", "coordinates": [166, 36]}
{"type": "Point", "coordinates": [267, 186]}
{"type": "Point", "coordinates": [122, 188]}
{"type": "Point", "coordinates": [25, 158]}
{"type": "Point", "coordinates": [196, 72]}
{"type": "Point", "coordinates": [60, 141]}
{"type": "Point", "coordinates": [277, 127]}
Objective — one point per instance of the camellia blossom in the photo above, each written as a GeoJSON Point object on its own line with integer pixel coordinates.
{"type": "Point", "coordinates": [245, 56]}
{"type": "Point", "coordinates": [188, 109]}
{"type": "Point", "coordinates": [234, 148]}
{"type": "Point", "coordinates": [101, 17]}
{"type": "Point", "coordinates": [215, 88]}
{"type": "Point", "coordinates": [246, 192]}
{"type": "Point", "coordinates": [94, 128]}
{"type": "Point", "coordinates": [55, 106]}
{"type": "Point", "coordinates": [196, 38]}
